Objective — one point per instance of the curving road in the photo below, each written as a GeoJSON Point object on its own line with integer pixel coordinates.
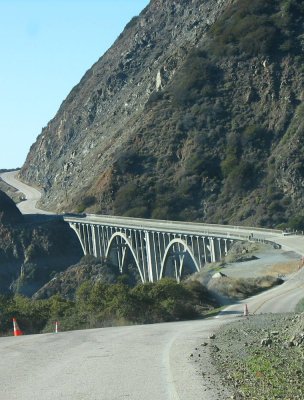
{"type": "Point", "coordinates": [135, 362]}
{"type": "Point", "coordinates": [32, 195]}
{"type": "Point", "coordinates": [150, 362]}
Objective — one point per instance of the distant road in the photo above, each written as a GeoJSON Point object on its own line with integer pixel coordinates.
{"type": "Point", "coordinates": [32, 195]}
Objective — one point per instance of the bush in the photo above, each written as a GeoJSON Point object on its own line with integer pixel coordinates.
{"type": "Point", "coordinates": [242, 176]}
{"type": "Point", "coordinates": [86, 202]}
{"type": "Point", "coordinates": [98, 304]}
{"type": "Point", "coordinates": [255, 136]}
{"type": "Point", "coordinates": [127, 195]}
{"type": "Point", "coordinates": [129, 162]}
{"type": "Point", "coordinates": [296, 222]}
{"type": "Point", "coordinates": [137, 212]}
{"type": "Point", "coordinates": [257, 28]}
{"type": "Point", "coordinates": [229, 164]}
{"type": "Point", "coordinates": [198, 77]}
{"type": "Point", "coordinates": [162, 213]}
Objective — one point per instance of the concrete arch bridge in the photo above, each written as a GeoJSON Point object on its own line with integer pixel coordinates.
{"type": "Point", "coordinates": [158, 248]}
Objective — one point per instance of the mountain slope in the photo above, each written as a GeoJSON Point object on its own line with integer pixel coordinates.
{"type": "Point", "coordinates": [31, 252]}
{"type": "Point", "coordinates": [195, 113]}
{"type": "Point", "coordinates": [9, 213]}
{"type": "Point", "coordinates": [96, 120]}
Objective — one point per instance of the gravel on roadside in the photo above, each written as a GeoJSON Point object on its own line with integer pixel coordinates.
{"type": "Point", "coordinates": [260, 357]}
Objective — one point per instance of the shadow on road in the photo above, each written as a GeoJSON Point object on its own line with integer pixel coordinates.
{"type": "Point", "coordinates": [41, 217]}
{"type": "Point", "coordinates": [231, 312]}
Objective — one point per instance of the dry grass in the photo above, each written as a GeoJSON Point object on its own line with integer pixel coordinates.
{"type": "Point", "coordinates": [238, 289]}
{"type": "Point", "coordinates": [284, 268]}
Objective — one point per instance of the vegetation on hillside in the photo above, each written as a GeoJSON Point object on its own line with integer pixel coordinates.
{"type": "Point", "coordinates": [99, 304]}
{"type": "Point", "coordinates": [221, 135]}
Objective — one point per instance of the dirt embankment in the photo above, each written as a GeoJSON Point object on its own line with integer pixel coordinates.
{"type": "Point", "coordinates": [261, 357]}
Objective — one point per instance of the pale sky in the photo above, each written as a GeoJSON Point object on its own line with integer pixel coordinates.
{"type": "Point", "coordinates": [46, 46]}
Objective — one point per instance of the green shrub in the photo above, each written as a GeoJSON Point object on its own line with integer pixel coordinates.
{"type": "Point", "coordinates": [164, 213]}
{"type": "Point", "coordinates": [255, 136]}
{"type": "Point", "coordinates": [129, 162]}
{"type": "Point", "coordinates": [275, 206]}
{"type": "Point", "coordinates": [197, 77]}
{"type": "Point", "coordinates": [137, 212]}
{"type": "Point", "coordinates": [201, 162]}
{"type": "Point", "coordinates": [242, 176]}
{"type": "Point", "coordinates": [257, 28]}
{"type": "Point", "coordinates": [229, 164]}
{"type": "Point", "coordinates": [296, 222]}
{"type": "Point", "coordinates": [86, 202]}
{"type": "Point", "coordinates": [127, 195]}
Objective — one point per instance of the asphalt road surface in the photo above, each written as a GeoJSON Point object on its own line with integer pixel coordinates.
{"type": "Point", "coordinates": [136, 362]}
{"type": "Point", "coordinates": [32, 195]}
{"type": "Point", "coordinates": [150, 362]}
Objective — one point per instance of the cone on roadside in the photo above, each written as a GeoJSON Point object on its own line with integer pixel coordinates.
{"type": "Point", "coordinates": [56, 327]}
{"type": "Point", "coordinates": [17, 330]}
{"type": "Point", "coordinates": [246, 312]}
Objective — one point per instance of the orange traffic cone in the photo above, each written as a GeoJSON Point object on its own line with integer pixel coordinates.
{"type": "Point", "coordinates": [17, 330]}
{"type": "Point", "coordinates": [246, 312]}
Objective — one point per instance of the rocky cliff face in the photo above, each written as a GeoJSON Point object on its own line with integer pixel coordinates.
{"type": "Point", "coordinates": [194, 113]}
{"type": "Point", "coordinates": [30, 253]}
{"type": "Point", "coordinates": [9, 213]}
{"type": "Point", "coordinates": [79, 146]}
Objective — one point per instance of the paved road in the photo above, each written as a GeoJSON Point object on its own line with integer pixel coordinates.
{"type": "Point", "coordinates": [137, 362]}
{"type": "Point", "coordinates": [150, 362]}
{"type": "Point", "coordinates": [31, 194]}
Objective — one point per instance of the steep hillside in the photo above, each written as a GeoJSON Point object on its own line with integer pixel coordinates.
{"type": "Point", "coordinates": [9, 213]}
{"type": "Point", "coordinates": [76, 152]}
{"type": "Point", "coordinates": [31, 253]}
{"type": "Point", "coordinates": [195, 113]}
{"type": "Point", "coordinates": [88, 269]}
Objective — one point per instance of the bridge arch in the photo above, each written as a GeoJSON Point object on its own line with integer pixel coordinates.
{"type": "Point", "coordinates": [79, 237]}
{"type": "Point", "coordinates": [186, 248]}
{"type": "Point", "coordinates": [129, 245]}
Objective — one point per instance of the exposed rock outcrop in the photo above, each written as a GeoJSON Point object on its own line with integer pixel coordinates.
{"type": "Point", "coordinates": [96, 121]}
{"type": "Point", "coordinates": [195, 113]}
{"type": "Point", "coordinates": [9, 213]}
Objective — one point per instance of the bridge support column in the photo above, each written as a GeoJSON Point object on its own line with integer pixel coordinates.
{"type": "Point", "coordinates": [225, 247]}
{"type": "Point", "coordinates": [211, 249]}
{"type": "Point", "coordinates": [217, 249]}
{"type": "Point", "coordinates": [205, 251]}
{"type": "Point", "coordinates": [93, 240]}
{"type": "Point", "coordinates": [150, 253]}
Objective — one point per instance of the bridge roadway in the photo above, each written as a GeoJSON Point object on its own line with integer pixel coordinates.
{"type": "Point", "coordinates": [177, 227]}
{"type": "Point", "coordinates": [293, 242]}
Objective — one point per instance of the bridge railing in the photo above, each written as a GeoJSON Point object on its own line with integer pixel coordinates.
{"type": "Point", "coordinates": [169, 222]}
{"type": "Point", "coordinates": [180, 227]}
